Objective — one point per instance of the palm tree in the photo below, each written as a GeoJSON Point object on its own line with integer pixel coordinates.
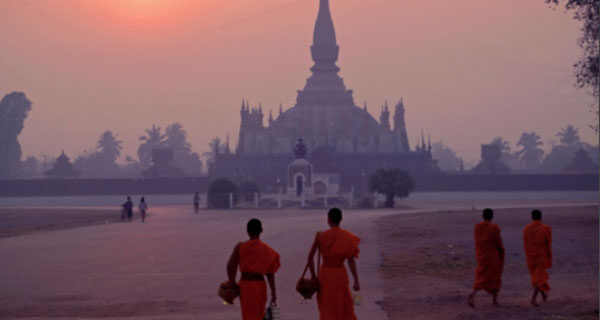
{"type": "Point", "coordinates": [215, 146]}
{"type": "Point", "coordinates": [109, 146]}
{"type": "Point", "coordinates": [569, 136]}
{"type": "Point", "coordinates": [504, 144]}
{"type": "Point", "coordinates": [531, 154]}
{"type": "Point", "coordinates": [152, 140]}
{"type": "Point", "coordinates": [176, 139]}
{"type": "Point", "coordinates": [507, 157]}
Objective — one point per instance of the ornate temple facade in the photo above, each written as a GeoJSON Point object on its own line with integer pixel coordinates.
{"type": "Point", "coordinates": [343, 136]}
{"type": "Point", "coordinates": [325, 113]}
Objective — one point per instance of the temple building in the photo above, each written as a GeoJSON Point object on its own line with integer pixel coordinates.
{"type": "Point", "coordinates": [62, 169]}
{"type": "Point", "coordinates": [325, 113]}
{"type": "Point", "coordinates": [346, 139]}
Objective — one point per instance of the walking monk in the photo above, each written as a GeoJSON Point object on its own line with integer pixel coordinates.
{"type": "Point", "coordinates": [255, 259]}
{"type": "Point", "coordinates": [537, 239]}
{"type": "Point", "coordinates": [336, 246]}
{"type": "Point", "coordinates": [490, 258]}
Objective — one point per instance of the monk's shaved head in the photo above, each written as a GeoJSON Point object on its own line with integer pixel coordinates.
{"type": "Point", "coordinates": [254, 227]}
{"type": "Point", "coordinates": [488, 214]}
{"type": "Point", "coordinates": [335, 216]}
{"type": "Point", "coordinates": [536, 215]}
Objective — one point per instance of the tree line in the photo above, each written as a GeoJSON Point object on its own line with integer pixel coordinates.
{"type": "Point", "coordinates": [100, 161]}
{"type": "Point", "coordinates": [528, 154]}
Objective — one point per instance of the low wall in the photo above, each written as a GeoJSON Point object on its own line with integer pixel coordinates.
{"type": "Point", "coordinates": [480, 182]}
{"type": "Point", "coordinates": [85, 187]}
{"type": "Point", "coordinates": [462, 182]}
{"type": "Point", "coordinates": [508, 182]}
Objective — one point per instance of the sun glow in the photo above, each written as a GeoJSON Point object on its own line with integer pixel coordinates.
{"type": "Point", "coordinates": [143, 6]}
{"type": "Point", "coordinates": [146, 12]}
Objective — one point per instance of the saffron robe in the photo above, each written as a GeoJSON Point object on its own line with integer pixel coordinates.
{"type": "Point", "coordinates": [334, 297]}
{"type": "Point", "coordinates": [537, 239]}
{"type": "Point", "coordinates": [256, 257]}
{"type": "Point", "coordinates": [489, 251]}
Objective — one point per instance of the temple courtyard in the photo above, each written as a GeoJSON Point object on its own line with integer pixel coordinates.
{"type": "Point", "coordinates": [416, 262]}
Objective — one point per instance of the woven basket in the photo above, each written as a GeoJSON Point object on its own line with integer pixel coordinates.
{"type": "Point", "coordinates": [228, 292]}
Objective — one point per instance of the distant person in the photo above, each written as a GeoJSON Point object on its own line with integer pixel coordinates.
{"type": "Point", "coordinates": [128, 207]}
{"type": "Point", "coordinates": [143, 206]}
{"type": "Point", "coordinates": [196, 201]}
{"type": "Point", "coordinates": [537, 239]}
{"type": "Point", "coordinates": [336, 246]}
{"type": "Point", "coordinates": [489, 251]}
{"type": "Point", "coordinates": [255, 260]}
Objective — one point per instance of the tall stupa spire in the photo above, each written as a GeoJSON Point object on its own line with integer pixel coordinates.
{"type": "Point", "coordinates": [324, 48]}
{"type": "Point", "coordinates": [324, 31]}
{"type": "Point", "coordinates": [324, 87]}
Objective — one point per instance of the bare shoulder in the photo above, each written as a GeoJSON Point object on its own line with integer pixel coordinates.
{"type": "Point", "coordinates": [238, 246]}
{"type": "Point", "coordinates": [318, 234]}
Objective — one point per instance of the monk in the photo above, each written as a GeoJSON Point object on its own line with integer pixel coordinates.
{"type": "Point", "coordinates": [336, 246]}
{"type": "Point", "coordinates": [537, 239]}
{"type": "Point", "coordinates": [256, 260]}
{"type": "Point", "coordinates": [490, 258]}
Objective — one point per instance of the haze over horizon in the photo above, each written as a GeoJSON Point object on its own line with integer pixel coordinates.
{"type": "Point", "coordinates": [468, 71]}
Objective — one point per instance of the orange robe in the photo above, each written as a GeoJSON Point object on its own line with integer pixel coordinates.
{"type": "Point", "coordinates": [334, 297]}
{"type": "Point", "coordinates": [537, 239]}
{"type": "Point", "coordinates": [256, 257]}
{"type": "Point", "coordinates": [490, 257]}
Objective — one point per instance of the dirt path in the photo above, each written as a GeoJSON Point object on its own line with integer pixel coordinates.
{"type": "Point", "coordinates": [21, 221]}
{"type": "Point", "coordinates": [428, 265]}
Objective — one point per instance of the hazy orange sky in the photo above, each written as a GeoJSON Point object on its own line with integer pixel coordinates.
{"type": "Point", "coordinates": [468, 70]}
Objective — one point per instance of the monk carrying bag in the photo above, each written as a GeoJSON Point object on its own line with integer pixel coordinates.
{"type": "Point", "coordinates": [308, 286]}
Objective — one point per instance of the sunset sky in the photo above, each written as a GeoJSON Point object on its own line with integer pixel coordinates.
{"type": "Point", "coordinates": [468, 70]}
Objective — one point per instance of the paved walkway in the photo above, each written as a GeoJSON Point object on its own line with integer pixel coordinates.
{"type": "Point", "coordinates": [169, 267]}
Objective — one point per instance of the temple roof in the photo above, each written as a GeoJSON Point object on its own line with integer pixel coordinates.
{"type": "Point", "coordinates": [62, 168]}
{"type": "Point", "coordinates": [325, 113]}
